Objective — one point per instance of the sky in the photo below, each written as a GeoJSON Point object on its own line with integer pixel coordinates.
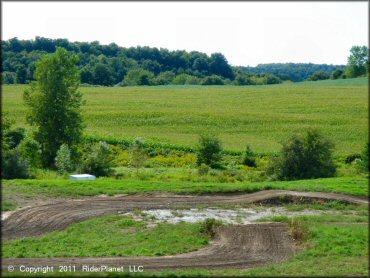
{"type": "Point", "coordinates": [247, 33]}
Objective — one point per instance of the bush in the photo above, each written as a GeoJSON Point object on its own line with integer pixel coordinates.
{"type": "Point", "coordinates": [209, 226]}
{"type": "Point", "coordinates": [15, 136]}
{"type": "Point", "coordinates": [138, 77]}
{"type": "Point", "coordinates": [97, 160]}
{"type": "Point", "coordinates": [14, 166]}
{"type": "Point", "coordinates": [203, 170]}
{"type": "Point", "coordinates": [30, 149]}
{"type": "Point", "coordinates": [63, 160]}
{"type": "Point", "coordinates": [209, 151]}
{"type": "Point", "coordinates": [364, 163]}
{"type": "Point", "coordinates": [306, 157]}
{"type": "Point", "coordinates": [212, 80]}
{"type": "Point", "coordinates": [352, 157]}
{"type": "Point", "coordinates": [249, 158]}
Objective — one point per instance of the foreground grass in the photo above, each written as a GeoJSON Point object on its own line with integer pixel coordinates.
{"type": "Point", "coordinates": [14, 190]}
{"type": "Point", "coordinates": [261, 116]}
{"type": "Point", "coordinates": [329, 249]}
{"type": "Point", "coordinates": [110, 236]}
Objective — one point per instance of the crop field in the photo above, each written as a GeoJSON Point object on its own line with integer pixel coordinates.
{"type": "Point", "coordinates": [261, 116]}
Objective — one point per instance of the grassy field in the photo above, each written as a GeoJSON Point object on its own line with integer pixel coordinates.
{"type": "Point", "coordinates": [261, 116]}
{"type": "Point", "coordinates": [27, 190]}
{"type": "Point", "coordinates": [114, 235]}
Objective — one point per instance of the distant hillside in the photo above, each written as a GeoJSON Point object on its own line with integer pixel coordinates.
{"type": "Point", "coordinates": [110, 65]}
{"type": "Point", "coordinates": [292, 71]}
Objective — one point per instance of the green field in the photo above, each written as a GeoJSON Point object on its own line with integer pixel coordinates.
{"type": "Point", "coordinates": [261, 116]}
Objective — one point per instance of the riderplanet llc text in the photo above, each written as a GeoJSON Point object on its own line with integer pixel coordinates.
{"type": "Point", "coordinates": [72, 268]}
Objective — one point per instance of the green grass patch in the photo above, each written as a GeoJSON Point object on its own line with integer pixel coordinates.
{"type": "Point", "coordinates": [8, 205]}
{"type": "Point", "coordinates": [261, 116]}
{"type": "Point", "coordinates": [110, 236]}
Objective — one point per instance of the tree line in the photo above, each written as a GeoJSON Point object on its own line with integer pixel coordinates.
{"type": "Point", "coordinates": [112, 65]}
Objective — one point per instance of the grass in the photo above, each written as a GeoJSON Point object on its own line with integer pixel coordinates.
{"type": "Point", "coordinates": [261, 116]}
{"type": "Point", "coordinates": [36, 189]}
{"type": "Point", "coordinates": [110, 236]}
{"type": "Point", "coordinates": [329, 249]}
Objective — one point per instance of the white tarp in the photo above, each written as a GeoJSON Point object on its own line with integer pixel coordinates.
{"type": "Point", "coordinates": [82, 177]}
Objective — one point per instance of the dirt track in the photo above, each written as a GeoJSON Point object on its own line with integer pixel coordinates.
{"type": "Point", "coordinates": [234, 246]}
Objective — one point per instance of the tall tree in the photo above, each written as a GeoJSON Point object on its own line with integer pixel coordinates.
{"type": "Point", "coordinates": [55, 103]}
{"type": "Point", "coordinates": [358, 61]}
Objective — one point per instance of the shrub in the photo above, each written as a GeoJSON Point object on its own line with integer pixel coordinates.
{"type": "Point", "coordinates": [138, 77]}
{"type": "Point", "coordinates": [212, 80]}
{"type": "Point", "coordinates": [30, 149]}
{"type": "Point", "coordinates": [306, 157]}
{"type": "Point", "coordinates": [14, 136]}
{"type": "Point", "coordinates": [14, 166]}
{"type": "Point", "coordinates": [97, 160]}
{"type": "Point", "coordinates": [364, 163]}
{"type": "Point", "coordinates": [352, 157]}
{"type": "Point", "coordinates": [63, 159]}
{"type": "Point", "coordinates": [138, 153]}
{"type": "Point", "coordinates": [209, 151]}
{"type": "Point", "coordinates": [209, 226]}
{"type": "Point", "coordinates": [249, 158]}
{"type": "Point", "coordinates": [203, 170]}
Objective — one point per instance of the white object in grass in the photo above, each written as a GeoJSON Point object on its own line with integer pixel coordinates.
{"type": "Point", "coordinates": [82, 177]}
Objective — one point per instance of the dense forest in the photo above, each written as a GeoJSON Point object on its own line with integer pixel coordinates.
{"type": "Point", "coordinates": [293, 71]}
{"type": "Point", "coordinates": [112, 65]}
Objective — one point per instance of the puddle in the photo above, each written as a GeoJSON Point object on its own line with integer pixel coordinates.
{"type": "Point", "coordinates": [5, 215]}
{"type": "Point", "coordinates": [230, 216]}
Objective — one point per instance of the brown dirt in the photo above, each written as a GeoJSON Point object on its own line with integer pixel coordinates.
{"type": "Point", "coordinates": [234, 246]}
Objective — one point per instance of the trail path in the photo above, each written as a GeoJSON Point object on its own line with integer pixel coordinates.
{"type": "Point", "coordinates": [234, 246]}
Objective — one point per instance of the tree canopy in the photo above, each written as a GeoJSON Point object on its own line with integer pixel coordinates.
{"type": "Point", "coordinates": [54, 103]}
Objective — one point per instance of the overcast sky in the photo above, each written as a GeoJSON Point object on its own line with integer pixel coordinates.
{"type": "Point", "coordinates": [247, 33]}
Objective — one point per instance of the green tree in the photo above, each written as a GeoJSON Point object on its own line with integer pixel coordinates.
{"type": "Point", "coordinates": [306, 157]}
{"type": "Point", "coordinates": [102, 75]}
{"type": "Point", "coordinates": [55, 103]}
{"type": "Point", "coordinates": [209, 151]}
{"type": "Point", "coordinates": [138, 77]}
{"type": "Point", "coordinates": [249, 157]}
{"type": "Point", "coordinates": [63, 160]}
{"type": "Point", "coordinates": [358, 61]}
{"type": "Point", "coordinates": [338, 73]}
{"type": "Point", "coordinates": [138, 153]}
{"type": "Point", "coordinates": [13, 164]}
{"type": "Point", "coordinates": [31, 150]}
{"type": "Point", "coordinates": [98, 160]}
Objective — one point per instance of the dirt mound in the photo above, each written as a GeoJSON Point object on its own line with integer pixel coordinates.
{"type": "Point", "coordinates": [234, 246]}
{"type": "Point", "coordinates": [40, 219]}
